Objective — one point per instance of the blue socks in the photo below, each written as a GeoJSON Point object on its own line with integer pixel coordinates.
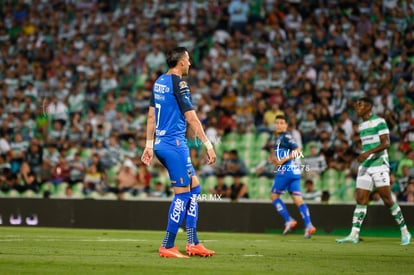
{"type": "Point", "coordinates": [304, 211]}
{"type": "Point", "coordinates": [281, 208]}
{"type": "Point", "coordinates": [169, 239]}
{"type": "Point", "coordinates": [192, 216]}
{"type": "Point", "coordinates": [184, 204]}
{"type": "Point", "coordinates": [175, 217]}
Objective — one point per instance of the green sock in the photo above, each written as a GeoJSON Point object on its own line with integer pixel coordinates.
{"type": "Point", "coordinates": [398, 217]}
{"type": "Point", "coordinates": [359, 215]}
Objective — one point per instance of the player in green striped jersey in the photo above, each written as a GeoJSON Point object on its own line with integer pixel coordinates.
{"type": "Point", "coordinates": [373, 171]}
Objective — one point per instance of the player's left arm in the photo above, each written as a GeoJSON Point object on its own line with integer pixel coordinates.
{"type": "Point", "coordinates": [183, 95]}
{"type": "Point", "coordinates": [197, 127]}
{"type": "Point", "coordinates": [384, 145]}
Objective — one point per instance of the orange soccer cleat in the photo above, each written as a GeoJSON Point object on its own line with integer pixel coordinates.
{"type": "Point", "coordinates": [198, 250]}
{"type": "Point", "coordinates": [289, 226]}
{"type": "Point", "coordinates": [170, 252]}
{"type": "Point", "coordinates": [309, 231]}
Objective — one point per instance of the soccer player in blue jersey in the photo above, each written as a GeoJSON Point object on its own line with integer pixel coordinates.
{"type": "Point", "coordinates": [170, 110]}
{"type": "Point", "coordinates": [288, 175]}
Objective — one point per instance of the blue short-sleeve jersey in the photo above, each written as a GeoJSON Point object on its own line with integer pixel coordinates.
{"type": "Point", "coordinates": [284, 145]}
{"type": "Point", "coordinates": [288, 174]}
{"type": "Point", "coordinates": [171, 98]}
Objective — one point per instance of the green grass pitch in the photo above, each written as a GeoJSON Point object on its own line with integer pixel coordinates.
{"type": "Point", "coordinates": [25, 250]}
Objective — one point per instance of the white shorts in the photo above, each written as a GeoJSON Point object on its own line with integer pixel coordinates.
{"type": "Point", "coordinates": [369, 176]}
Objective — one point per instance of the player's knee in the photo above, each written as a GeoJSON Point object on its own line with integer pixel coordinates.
{"type": "Point", "coordinates": [388, 200]}
{"type": "Point", "coordinates": [274, 196]}
{"type": "Point", "coordinates": [194, 181]}
{"type": "Point", "coordinates": [389, 203]}
{"type": "Point", "coordinates": [181, 189]}
{"type": "Point", "coordinates": [362, 200]}
{"type": "Point", "coordinates": [362, 196]}
{"type": "Point", "coordinates": [196, 190]}
{"type": "Point", "coordinates": [298, 200]}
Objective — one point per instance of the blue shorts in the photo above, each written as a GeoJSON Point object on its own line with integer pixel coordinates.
{"type": "Point", "coordinates": [286, 181]}
{"type": "Point", "coordinates": [178, 163]}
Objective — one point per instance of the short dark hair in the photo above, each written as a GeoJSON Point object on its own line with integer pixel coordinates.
{"type": "Point", "coordinates": [281, 117]}
{"type": "Point", "coordinates": [174, 55]}
{"type": "Point", "coordinates": [308, 181]}
{"type": "Point", "coordinates": [365, 100]}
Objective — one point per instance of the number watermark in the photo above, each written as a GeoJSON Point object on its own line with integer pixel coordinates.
{"type": "Point", "coordinates": [293, 168]}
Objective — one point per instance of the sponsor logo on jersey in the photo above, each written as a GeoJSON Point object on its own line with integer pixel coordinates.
{"type": "Point", "coordinates": [159, 97]}
{"type": "Point", "coordinates": [159, 88]}
{"type": "Point", "coordinates": [160, 132]}
{"type": "Point", "coordinates": [183, 84]}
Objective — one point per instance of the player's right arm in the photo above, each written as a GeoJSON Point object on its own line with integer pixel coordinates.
{"type": "Point", "coordinates": [196, 126]}
{"type": "Point", "coordinates": [148, 153]}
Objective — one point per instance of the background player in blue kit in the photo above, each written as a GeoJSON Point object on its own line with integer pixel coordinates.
{"type": "Point", "coordinates": [288, 175]}
{"type": "Point", "coordinates": [170, 110]}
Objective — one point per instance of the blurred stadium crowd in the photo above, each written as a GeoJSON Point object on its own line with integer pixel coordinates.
{"type": "Point", "coordinates": [76, 77]}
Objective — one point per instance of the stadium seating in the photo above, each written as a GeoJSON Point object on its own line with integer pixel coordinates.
{"type": "Point", "coordinates": [70, 67]}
